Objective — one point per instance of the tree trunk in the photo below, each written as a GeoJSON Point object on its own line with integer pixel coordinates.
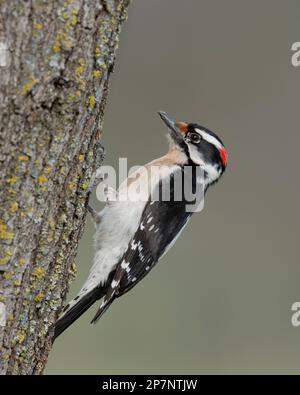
{"type": "Point", "coordinates": [55, 60]}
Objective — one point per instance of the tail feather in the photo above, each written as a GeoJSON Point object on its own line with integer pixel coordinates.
{"type": "Point", "coordinates": [101, 311]}
{"type": "Point", "coordinates": [76, 311]}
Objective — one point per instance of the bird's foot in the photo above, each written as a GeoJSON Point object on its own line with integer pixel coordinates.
{"type": "Point", "coordinates": [95, 215]}
{"type": "Point", "coordinates": [96, 180]}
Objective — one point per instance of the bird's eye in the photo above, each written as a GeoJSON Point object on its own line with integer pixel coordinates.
{"type": "Point", "coordinates": [195, 138]}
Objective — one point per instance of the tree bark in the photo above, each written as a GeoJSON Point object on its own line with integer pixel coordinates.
{"type": "Point", "coordinates": [55, 60]}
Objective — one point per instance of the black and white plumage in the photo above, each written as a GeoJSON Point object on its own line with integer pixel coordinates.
{"type": "Point", "coordinates": [132, 236]}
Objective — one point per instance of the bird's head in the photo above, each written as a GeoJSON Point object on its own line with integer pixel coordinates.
{"type": "Point", "coordinates": [201, 146]}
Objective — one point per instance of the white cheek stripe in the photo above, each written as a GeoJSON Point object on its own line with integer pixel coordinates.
{"type": "Point", "coordinates": [210, 139]}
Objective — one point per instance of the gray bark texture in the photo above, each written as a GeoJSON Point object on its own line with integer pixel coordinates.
{"type": "Point", "coordinates": [55, 60]}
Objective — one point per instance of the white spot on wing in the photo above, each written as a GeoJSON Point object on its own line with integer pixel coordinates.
{"type": "Point", "coordinates": [134, 245]}
{"type": "Point", "coordinates": [124, 265]}
{"type": "Point", "coordinates": [103, 303]}
{"type": "Point", "coordinates": [114, 283]}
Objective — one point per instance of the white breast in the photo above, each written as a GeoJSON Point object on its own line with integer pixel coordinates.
{"type": "Point", "coordinates": [118, 224]}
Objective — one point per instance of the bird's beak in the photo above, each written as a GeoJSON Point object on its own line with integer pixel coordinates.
{"type": "Point", "coordinates": [177, 130]}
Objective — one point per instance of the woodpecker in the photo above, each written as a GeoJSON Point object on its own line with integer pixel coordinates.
{"type": "Point", "coordinates": [131, 236]}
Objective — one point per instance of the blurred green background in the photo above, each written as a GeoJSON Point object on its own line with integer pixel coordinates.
{"type": "Point", "coordinates": [220, 300]}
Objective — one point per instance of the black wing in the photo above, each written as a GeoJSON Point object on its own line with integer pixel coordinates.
{"type": "Point", "coordinates": [161, 223]}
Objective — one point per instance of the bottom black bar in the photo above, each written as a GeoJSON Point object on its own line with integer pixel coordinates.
{"type": "Point", "coordinates": [147, 383]}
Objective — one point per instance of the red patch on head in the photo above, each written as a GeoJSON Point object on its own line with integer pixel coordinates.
{"type": "Point", "coordinates": [224, 156]}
